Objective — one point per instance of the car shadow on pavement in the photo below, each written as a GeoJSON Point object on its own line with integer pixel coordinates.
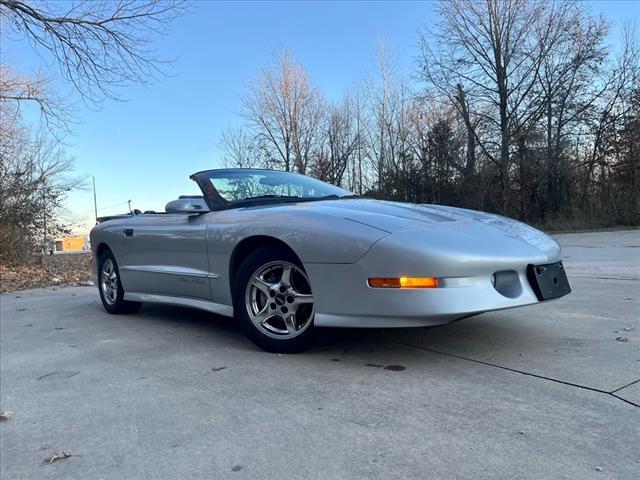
{"type": "Point", "coordinates": [192, 320]}
{"type": "Point", "coordinates": [478, 337]}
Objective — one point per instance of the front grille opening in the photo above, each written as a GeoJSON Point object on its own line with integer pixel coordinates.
{"type": "Point", "coordinates": [507, 283]}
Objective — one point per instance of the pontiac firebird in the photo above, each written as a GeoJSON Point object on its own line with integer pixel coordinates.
{"type": "Point", "coordinates": [284, 254]}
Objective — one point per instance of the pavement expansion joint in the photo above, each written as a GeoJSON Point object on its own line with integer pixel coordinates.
{"type": "Point", "coordinates": [515, 370]}
{"type": "Point", "coordinates": [633, 279]}
{"type": "Point", "coordinates": [625, 386]}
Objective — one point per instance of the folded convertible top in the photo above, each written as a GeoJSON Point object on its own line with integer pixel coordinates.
{"type": "Point", "coordinates": [113, 217]}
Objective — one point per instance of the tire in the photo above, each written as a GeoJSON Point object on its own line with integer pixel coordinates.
{"type": "Point", "coordinates": [111, 291]}
{"type": "Point", "coordinates": [261, 284]}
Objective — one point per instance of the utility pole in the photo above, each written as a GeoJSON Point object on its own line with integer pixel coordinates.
{"type": "Point", "coordinates": [44, 219]}
{"type": "Point", "coordinates": [95, 203]}
{"type": "Point", "coordinates": [129, 202]}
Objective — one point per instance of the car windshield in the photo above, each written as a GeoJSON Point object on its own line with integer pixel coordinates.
{"type": "Point", "coordinates": [240, 185]}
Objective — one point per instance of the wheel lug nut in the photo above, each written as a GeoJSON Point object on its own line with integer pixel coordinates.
{"type": "Point", "coordinates": [273, 306]}
{"type": "Point", "coordinates": [283, 289]}
{"type": "Point", "coordinates": [284, 309]}
{"type": "Point", "coordinates": [290, 299]}
{"type": "Point", "coordinates": [272, 293]}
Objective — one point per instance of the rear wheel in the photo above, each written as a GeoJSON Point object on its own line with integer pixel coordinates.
{"type": "Point", "coordinates": [110, 286]}
{"type": "Point", "coordinates": [273, 301]}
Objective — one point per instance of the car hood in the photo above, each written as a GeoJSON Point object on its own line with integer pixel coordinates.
{"type": "Point", "coordinates": [393, 217]}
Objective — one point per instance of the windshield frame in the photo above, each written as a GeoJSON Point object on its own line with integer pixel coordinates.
{"type": "Point", "coordinates": [215, 201]}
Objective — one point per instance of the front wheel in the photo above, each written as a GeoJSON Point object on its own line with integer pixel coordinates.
{"type": "Point", "coordinates": [273, 301]}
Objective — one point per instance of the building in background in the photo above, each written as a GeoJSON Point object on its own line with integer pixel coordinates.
{"type": "Point", "coordinates": [78, 243]}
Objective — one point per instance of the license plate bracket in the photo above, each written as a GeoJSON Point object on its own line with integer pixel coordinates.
{"type": "Point", "coordinates": [548, 280]}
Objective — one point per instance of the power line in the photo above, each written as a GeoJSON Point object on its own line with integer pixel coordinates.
{"type": "Point", "coordinates": [103, 208]}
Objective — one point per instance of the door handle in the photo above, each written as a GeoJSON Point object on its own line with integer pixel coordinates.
{"type": "Point", "coordinates": [128, 232]}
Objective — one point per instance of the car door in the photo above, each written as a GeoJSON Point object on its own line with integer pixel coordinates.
{"type": "Point", "coordinates": [166, 254]}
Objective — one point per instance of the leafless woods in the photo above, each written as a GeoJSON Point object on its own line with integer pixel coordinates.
{"type": "Point", "coordinates": [515, 106]}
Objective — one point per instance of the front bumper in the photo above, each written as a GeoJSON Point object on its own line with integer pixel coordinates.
{"type": "Point", "coordinates": [344, 299]}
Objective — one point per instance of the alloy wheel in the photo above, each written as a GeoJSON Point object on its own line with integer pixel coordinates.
{"type": "Point", "coordinates": [109, 282]}
{"type": "Point", "coordinates": [278, 300]}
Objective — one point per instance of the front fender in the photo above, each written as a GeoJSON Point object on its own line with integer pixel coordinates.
{"type": "Point", "coordinates": [314, 238]}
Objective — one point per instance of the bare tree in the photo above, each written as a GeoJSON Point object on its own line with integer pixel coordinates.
{"type": "Point", "coordinates": [615, 108]}
{"type": "Point", "coordinates": [342, 141]}
{"type": "Point", "coordinates": [34, 181]}
{"type": "Point", "coordinates": [383, 107]}
{"type": "Point", "coordinates": [358, 172]}
{"type": "Point", "coordinates": [286, 111]}
{"type": "Point", "coordinates": [571, 81]}
{"type": "Point", "coordinates": [239, 148]}
{"type": "Point", "coordinates": [17, 90]}
{"type": "Point", "coordinates": [98, 46]}
{"type": "Point", "coordinates": [352, 130]}
{"type": "Point", "coordinates": [471, 126]}
{"type": "Point", "coordinates": [494, 51]}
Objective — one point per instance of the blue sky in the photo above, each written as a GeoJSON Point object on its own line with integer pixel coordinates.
{"type": "Point", "coordinates": [144, 149]}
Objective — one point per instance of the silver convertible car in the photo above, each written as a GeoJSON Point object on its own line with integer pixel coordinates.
{"type": "Point", "coordinates": [284, 254]}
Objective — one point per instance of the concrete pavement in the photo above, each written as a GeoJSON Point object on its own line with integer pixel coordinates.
{"type": "Point", "coordinates": [547, 391]}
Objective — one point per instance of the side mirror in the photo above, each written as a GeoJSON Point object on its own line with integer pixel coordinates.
{"type": "Point", "coordinates": [187, 205]}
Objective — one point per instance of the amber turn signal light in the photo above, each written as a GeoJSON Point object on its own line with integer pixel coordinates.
{"type": "Point", "coordinates": [404, 282]}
